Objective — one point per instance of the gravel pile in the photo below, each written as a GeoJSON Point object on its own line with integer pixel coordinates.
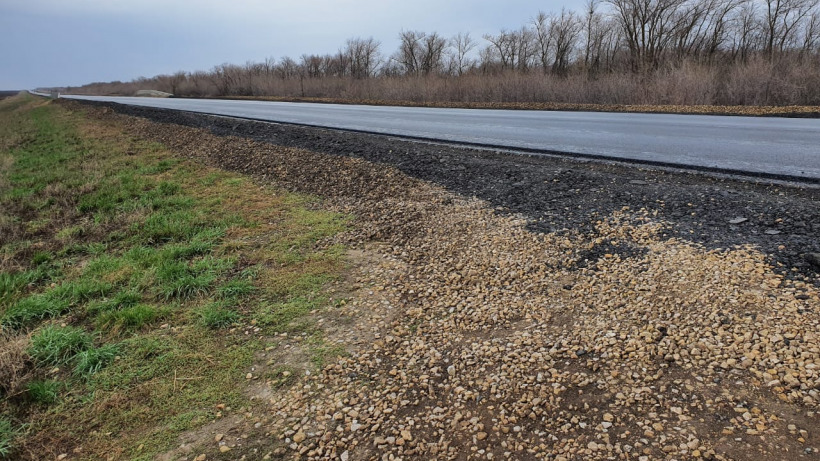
{"type": "Point", "coordinates": [613, 340]}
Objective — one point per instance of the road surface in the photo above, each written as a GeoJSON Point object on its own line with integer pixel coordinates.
{"type": "Point", "coordinates": [788, 147]}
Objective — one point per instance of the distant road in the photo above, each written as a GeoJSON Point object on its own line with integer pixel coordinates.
{"type": "Point", "coordinates": [771, 146]}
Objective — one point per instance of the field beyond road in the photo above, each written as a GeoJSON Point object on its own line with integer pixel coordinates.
{"type": "Point", "coordinates": [185, 287]}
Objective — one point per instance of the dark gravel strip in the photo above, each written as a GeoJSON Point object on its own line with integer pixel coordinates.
{"type": "Point", "coordinates": [558, 194]}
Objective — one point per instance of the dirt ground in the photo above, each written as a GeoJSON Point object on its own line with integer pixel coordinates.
{"type": "Point", "coordinates": [539, 308]}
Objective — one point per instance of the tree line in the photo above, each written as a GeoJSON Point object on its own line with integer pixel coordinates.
{"type": "Point", "coordinates": [613, 51]}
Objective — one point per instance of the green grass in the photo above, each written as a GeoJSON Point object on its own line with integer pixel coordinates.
{"type": "Point", "coordinates": [7, 435]}
{"type": "Point", "coordinates": [131, 318]}
{"type": "Point", "coordinates": [113, 236]}
{"type": "Point", "coordinates": [55, 345]}
{"type": "Point", "coordinates": [92, 360]}
{"type": "Point", "coordinates": [44, 392]}
{"type": "Point", "coordinates": [235, 289]}
{"type": "Point", "coordinates": [216, 316]}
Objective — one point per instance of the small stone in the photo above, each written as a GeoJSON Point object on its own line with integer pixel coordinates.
{"type": "Point", "coordinates": [638, 182]}
{"type": "Point", "coordinates": [201, 457]}
{"type": "Point", "coordinates": [406, 435]}
{"type": "Point", "coordinates": [299, 437]}
{"type": "Point", "coordinates": [813, 259]}
{"type": "Point", "coordinates": [738, 220]}
{"type": "Point", "coordinates": [608, 417]}
{"type": "Point", "coordinates": [344, 456]}
{"type": "Point", "coordinates": [481, 435]}
{"type": "Point", "coordinates": [592, 446]}
{"type": "Point", "coordinates": [249, 376]}
{"type": "Point", "coordinates": [224, 449]}
{"type": "Point", "coordinates": [772, 232]}
{"type": "Point", "coordinates": [219, 437]}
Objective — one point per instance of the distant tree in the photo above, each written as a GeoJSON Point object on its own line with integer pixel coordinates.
{"type": "Point", "coordinates": [461, 45]}
{"type": "Point", "coordinates": [782, 21]}
{"type": "Point", "coordinates": [565, 30]}
{"type": "Point", "coordinates": [363, 56]}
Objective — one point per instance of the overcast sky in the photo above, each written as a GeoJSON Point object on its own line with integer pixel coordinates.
{"type": "Point", "coordinates": [72, 42]}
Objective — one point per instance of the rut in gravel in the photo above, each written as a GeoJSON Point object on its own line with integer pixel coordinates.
{"type": "Point", "coordinates": [496, 342]}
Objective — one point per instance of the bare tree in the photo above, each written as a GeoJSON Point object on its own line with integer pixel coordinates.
{"type": "Point", "coordinates": [747, 31]}
{"type": "Point", "coordinates": [363, 57]}
{"type": "Point", "coordinates": [646, 26]}
{"type": "Point", "coordinates": [543, 39]}
{"type": "Point", "coordinates": [565, 30]}
{"type": "Point", "coordinates": [782, 20]}
{"type": "Point", "coordinates": [223, 78]}
{"type": "Point", "coordinates": [811, 34]}
{"type": "Point", "coordinates": [433, 47]}
{"type": "Point", "coordinates": [410, 51]}
{"type": "Point", "coordinates": [462, 44]}
{"type": "Point", "coordinates": [312, 65]}
{"type": "Point", "coordinates": [599, 38]}
{"type": "Point", "coordinates": [513, 49]}
{"type": "Point", "coordinates": [287, 68]}
{"type": "Point", "coordinates": [175, 80]}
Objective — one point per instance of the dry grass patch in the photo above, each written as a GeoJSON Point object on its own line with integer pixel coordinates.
{"type": "Point", "coordinates": [15, 368]}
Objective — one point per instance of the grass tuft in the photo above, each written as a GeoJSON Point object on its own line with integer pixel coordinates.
{"type": "Point", "coordinates": [91, 361]}
{"type": "Point", "coordinates": [45, 392]}
{"type": "Point", "coordinates": [215, 316]}
{"type": "Point", "coordinates": [32, 309]}
{"type": "Point", "coordinates": [55, 345]}
{"type": "Point", "coordinates": [130, 318]}
{"type": "Point", "coordinates": [7, 435]}
{"type": "Point", "coordinates": [235, 289]}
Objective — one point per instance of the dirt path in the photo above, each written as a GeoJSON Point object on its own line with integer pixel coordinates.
{"type": "Point", "coordinates": [594, 317]}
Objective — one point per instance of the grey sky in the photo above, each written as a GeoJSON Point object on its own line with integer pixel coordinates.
{"type": "Point", "coordinates": [59, 42]}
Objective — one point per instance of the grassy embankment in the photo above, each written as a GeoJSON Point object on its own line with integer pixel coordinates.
{"type": "Point", "coordinates": [129, 281]}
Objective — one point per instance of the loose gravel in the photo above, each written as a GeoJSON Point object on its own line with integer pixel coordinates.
{"type": "Point", "coordinates": [605, 328]}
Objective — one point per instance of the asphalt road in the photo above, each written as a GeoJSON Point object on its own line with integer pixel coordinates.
{"type": "Point", "coordinates": [768, 145]}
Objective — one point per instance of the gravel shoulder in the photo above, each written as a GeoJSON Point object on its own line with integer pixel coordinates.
{"type": "Point", "coordinates": [559, 194]}
{"type": "Point", "coordinates": [541, 308]}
